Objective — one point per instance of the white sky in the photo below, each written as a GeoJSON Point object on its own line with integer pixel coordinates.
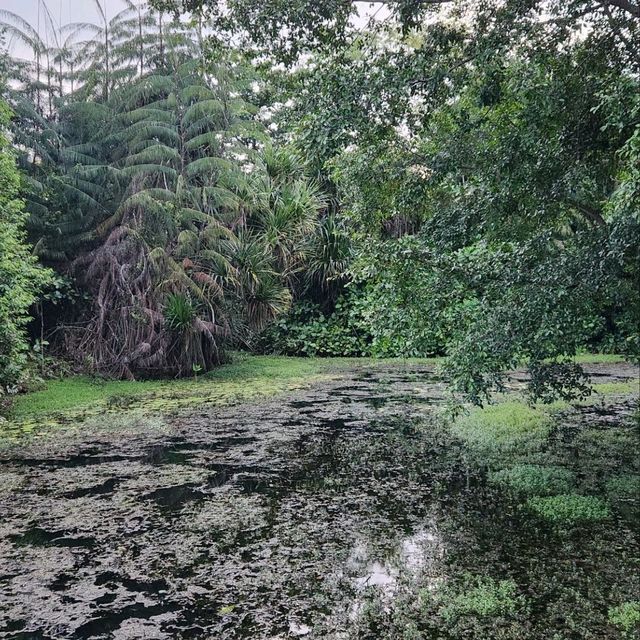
{"type": "Point", "coordinates": [65, 11]}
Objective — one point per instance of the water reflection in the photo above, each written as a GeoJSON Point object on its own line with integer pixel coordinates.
{"type": "Point", "coordinates": [414, 556]}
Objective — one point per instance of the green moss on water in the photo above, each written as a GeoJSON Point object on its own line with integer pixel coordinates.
{"type": "Point", "coordinates": [247, 377]}
{"type": "Point", "coordinates": [617, 388]}
{"type": "Point", "coordinates": [482, 597]}
{"type": "Point", "coordinates": [569, 508]}
{"type": "Point", "coordinates": [502, 428]}
{"type": "Point", "coordinates": [626, 616]}
{"type": "Point", "coordinates": [71, 401]}
{"type": "Point", "coordinates": [534, 480]}
{"type": "Point", "coordinates": [598, 358]}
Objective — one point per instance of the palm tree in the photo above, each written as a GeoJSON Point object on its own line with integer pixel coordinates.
{"type": "Point", "coordinates": [287, 210]}
{"type": "Point", "coordinates": [169, 260]}
{"type": "Point", "coordinates": [18, 29]}
{"type": "Point", "coordinates": [151, 178]}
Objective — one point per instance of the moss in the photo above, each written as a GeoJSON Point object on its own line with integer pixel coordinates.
{"type": "Point", "coordinates": [569, 508]}
{"type": "Point", "coordinates": [598, 358]}
{"type": "Point", "coordinates": [626, 616]}
{"type": "Point", "coordinates": [534, 480]}
{"type": "Point", "coordinates": [607, 449]}
{"type": "Point", "coordinates": [482, 597]}
{"type": "Point", "coordinates": [264, 373]}
{"type": "Point", "coordinates": [502, 428]}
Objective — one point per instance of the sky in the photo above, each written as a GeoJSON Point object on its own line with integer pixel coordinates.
{"type": "Point", "coordinates": [65, 11]}
{"type": "Point", "coordinates": [68, 10]}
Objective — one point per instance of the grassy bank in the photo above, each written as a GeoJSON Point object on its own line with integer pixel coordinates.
{"type": "Point", "coordinates": [70, 400]}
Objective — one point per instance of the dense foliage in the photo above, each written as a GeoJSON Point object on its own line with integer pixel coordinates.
{"type": "Point", "coordinates": [460, 178]}
{"type": "Point", "coordinates": [21, 279]}
{"type": "Point", "coordinates": [153, 186]}
{"type": "Point", "coordinates": [486, 165]}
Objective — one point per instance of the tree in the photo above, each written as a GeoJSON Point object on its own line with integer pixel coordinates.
{"type": "Point", "coordinates": [289, 29]}
{"type": "Point", "coordinates": [21, 278]}
{"type": "Point", "coordinates": [506, 201]}
{"type": "Point", "coordinates": [473, 143]}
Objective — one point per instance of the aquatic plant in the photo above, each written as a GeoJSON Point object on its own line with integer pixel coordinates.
{"type": "Point", "coordinates": [534, 480]}
{"type": "Point", "coordinates": [569, 508]}
{"type": "Point", "coordinates": [624, 486]}
{"type": "Point", "coordinates": [626, 616]}
{"type": "Point", "coordinates": [503, 428]}
{"type": "Point", "coordinates": [483, 597]}
{"type": "Point", "coordinates": [632, 387]}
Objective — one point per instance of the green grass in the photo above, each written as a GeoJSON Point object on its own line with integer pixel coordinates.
{"type": "Point", "coordinates": [245, 378]}
{"type": "Point", "coordinates": [74, 399]}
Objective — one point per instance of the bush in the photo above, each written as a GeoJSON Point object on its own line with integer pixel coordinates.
{"type": "Point", "coordinates": [569, 508]}
{"type": "Point", "coordinates": [403, 316]}
{"type": "Point", "coordinates": [306, 331]}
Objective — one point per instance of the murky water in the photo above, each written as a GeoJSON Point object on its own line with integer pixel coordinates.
{"type": "Point", "coordinates": [319, 515]}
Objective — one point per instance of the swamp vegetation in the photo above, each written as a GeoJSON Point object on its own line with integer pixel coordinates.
{"type": "Point", "coordinates": [346, 508]}
{"type": "Point", "coordinates": [320, 319]}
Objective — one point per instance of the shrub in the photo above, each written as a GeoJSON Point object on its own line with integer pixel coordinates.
{"type": "Point", "coordinates": [21, 279]}
{"type": "Point", "coordinates": [569, 508]}
{"type": "Point", "coordinates": [534, 480]}
{"type": "Point", "coordinates": [306, 331]}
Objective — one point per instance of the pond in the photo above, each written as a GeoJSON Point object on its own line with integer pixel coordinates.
{"type": "Point", "coordinates": [347, 510]}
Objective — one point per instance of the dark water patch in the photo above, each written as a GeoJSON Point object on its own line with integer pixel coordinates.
{"type": "Point", "coordinates": [111, 579]}
{"type": "Point", "coordinates": [39, 537]}
{"type": "Point", "coordinates": [305, 404]}
{"type": "Point", "coordinates": [111, 620]}
{"type": "Point", "coordinates": [14, 625]}
{"type": "Point", "coordinates": [166, 455]}
{"type": "Point", "coordinates": [61, 582]}
{"type": "Point", "coordinates": [107, 598]}
{"type": "Point", "coordinates": [70, 462]}
{"type": "Point", "coordinates": [175, 497]}
{"type": "Point", "coordinates": [103, 488]}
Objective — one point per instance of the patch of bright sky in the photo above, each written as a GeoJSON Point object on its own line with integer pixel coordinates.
{"type": "Point", "coordinates": [66, 11]}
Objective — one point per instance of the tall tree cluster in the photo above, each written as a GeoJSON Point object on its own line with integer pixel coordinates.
{"type": "Point", "coordinates": [151, 184]}
{"type": "Point", "coordinates": [459, 178]}
{"type": "Point", "coordinates": [485, 157]}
